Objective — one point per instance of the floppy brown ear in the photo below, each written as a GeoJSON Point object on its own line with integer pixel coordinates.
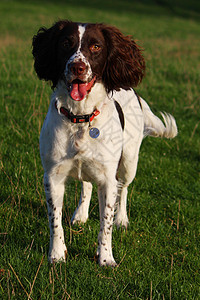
{"type": "Point", "coordinates": [45, 52]}
{"type": "Point", "coordinates": [125, 66]}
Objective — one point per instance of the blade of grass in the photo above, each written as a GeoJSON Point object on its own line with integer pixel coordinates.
{"type": "Point", "coordinates": [31, 290]}
{"type": "Point", "coordinates": [19, 280]}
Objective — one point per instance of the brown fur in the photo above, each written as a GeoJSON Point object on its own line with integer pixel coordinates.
{"type": "Point", "coordinates": [121, 65]}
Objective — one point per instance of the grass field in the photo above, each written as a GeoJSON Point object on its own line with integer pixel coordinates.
{"type": "Point", "coordinates": [158, 255]}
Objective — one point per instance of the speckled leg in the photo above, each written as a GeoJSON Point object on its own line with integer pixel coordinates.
{"type": "Point", "coordinates": [81, 213]}
{"type": "Point", "coordinates": [107, 198]}
{"type": "Point", "coordinates": [54, 189]}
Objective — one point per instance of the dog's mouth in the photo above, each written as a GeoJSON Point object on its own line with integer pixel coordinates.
{"type": "Point", "coordinates": [79, 89]}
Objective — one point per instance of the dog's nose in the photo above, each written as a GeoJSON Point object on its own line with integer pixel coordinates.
{"type": "Point", "coordinates": [78, 68]}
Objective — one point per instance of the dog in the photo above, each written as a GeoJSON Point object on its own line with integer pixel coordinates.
{"type": "Point", "coordinates": [95, 123]}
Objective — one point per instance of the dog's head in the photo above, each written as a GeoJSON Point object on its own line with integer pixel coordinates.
{"type": "Point", "coordinates": [82, 54]}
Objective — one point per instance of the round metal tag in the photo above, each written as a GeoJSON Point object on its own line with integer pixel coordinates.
{"type": "Point", "coordinates": [94, 132]}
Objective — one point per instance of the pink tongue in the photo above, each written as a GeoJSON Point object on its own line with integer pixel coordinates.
{"type": "Point", "coordinates": [78, 91]}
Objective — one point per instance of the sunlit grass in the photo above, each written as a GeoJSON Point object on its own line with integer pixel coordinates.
{"type": "Point", "coordinates": [158, 255]}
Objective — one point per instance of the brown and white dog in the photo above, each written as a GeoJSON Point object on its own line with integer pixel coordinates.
{"type": "Point", "coordinates": [95, 123]}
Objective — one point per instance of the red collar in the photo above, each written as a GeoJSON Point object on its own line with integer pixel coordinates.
{"type": "Point", "coordinates": [78, 118]}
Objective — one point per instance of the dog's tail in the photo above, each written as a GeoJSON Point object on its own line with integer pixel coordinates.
{"type": "Point", "coordinates": [153, 126]}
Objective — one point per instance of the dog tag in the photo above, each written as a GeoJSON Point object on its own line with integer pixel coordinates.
{"type": "Point", "coordinates": [94, 132]}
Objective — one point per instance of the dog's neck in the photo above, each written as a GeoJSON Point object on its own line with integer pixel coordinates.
{"type": "Point", "coordinates": [94, 100]}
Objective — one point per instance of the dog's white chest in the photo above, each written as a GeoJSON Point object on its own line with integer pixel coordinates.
{"type": "Point", "coordinates": [92, 154]}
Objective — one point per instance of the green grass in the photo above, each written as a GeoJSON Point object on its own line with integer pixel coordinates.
{"type": "Point", "coordinates": [158, 255]}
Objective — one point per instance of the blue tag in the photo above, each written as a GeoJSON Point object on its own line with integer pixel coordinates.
{"type": "Point", "coordinates": [94, 132]}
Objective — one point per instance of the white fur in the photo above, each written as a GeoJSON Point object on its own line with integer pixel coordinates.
{"type": "Point", "coordinates": [68, 150]}
{"type": "Point", "coordinates": [78, 56]}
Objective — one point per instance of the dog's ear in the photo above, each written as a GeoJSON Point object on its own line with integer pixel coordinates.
{"type": "Point", "coordinates": [125, 65]}
{"type": "Point", "coordinates": [45, 52]}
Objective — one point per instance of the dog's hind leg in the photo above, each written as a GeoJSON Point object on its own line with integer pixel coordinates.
{"type": "Point", "coordinates": [127, 172]}
{"type": "Point", "coordinates": [121, 218]}
{"type": "Point", "coordinates": [81, 213]}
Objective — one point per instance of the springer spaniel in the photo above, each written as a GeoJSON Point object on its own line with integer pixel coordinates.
{"type": "Point", "coordinates": [95, 123]}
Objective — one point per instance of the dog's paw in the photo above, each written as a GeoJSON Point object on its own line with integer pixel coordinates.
{"type": "Point", "coordinates": [57, 254]}
{"type": "Point", "coordinates": [121, 220]}
{"type": "Point", "coordinates": [79, 216]}
{"type": "Point", "coordinates": [105, 258]}
{"type": "Point", "coordinates": [107, 261]}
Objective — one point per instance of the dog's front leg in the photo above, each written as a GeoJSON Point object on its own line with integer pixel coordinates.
{"type": "Point", "coordinates": [107, 197]}
{"type": "Point", "coordinates": [54, 189]}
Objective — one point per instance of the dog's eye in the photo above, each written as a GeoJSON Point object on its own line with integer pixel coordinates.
{"type": "Point", "coordinates": [95, 48]}
{"type": "Point", "coordinates": [65, 44]}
